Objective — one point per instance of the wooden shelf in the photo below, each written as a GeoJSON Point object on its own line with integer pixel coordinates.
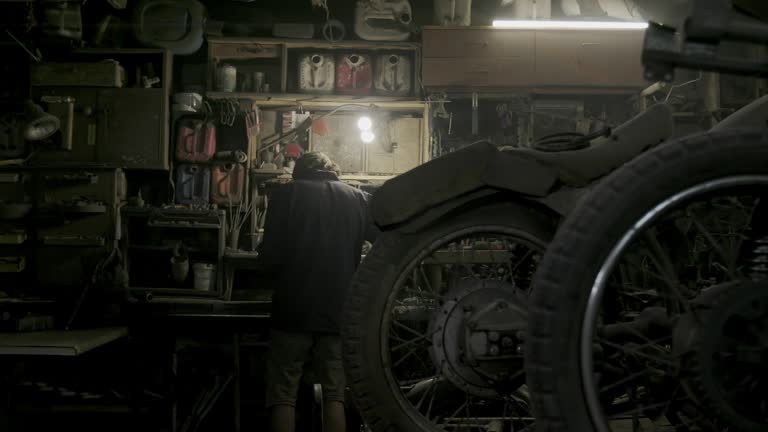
{"type": "Point", "coordinates": [320, 43]}
{"type": "Point", "coordinates": [322, 101]}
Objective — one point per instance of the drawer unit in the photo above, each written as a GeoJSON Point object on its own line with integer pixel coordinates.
{"type": "Point", "coordinates": [589, 58]}
{"type": "Point", "coordinates": [501, 72]}
{"type": "Point", "coordinates": [455, 42]}
{"type": "Point", "coordinates": [78, 229]}
{"type": "Point", "coordinates": [14, 186]}
{"type": "Point", "coordinates": [59, 187]}
{"type": "Point", "coordinates": [66, 266]}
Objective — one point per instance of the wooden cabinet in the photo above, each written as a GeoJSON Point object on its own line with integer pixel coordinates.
{"type": "Point", "coordinates": [126, 127]}
{"type": "Point", "coordinates": [456, 58]}
{"type": "Point", "coordinates": [480, 43]}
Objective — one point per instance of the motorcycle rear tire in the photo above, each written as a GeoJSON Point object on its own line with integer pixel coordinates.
{"type": "Point", "coordinates": [568, 270]}
{"type": "Point", "coordinates": [381, 405]}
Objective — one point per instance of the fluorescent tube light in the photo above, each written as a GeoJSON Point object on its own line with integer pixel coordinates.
{"type": "Point", "coordinates": [570, 25]}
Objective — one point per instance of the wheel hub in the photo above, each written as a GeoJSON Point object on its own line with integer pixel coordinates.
{"type": "Point", "coordinates": [477, 337]}
{"type": "Point", "coordinates": [727, 353]}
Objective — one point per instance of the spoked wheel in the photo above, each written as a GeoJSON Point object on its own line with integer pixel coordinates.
{"type": "Point", "coordinates": [651, 311]}
{"type": "Point", "coordinates": [435, 323]}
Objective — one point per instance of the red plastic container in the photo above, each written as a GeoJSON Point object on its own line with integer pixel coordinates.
{"type": "Point", "coordinates": [227, 183]}
{"type": "Point", "coordinates": [354, 74]}
{"type": "Point", "coordinates": [195, 140]}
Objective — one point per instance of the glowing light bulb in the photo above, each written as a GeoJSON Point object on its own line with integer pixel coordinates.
{"type": "Point", "coordinates": [367, 136]}
{"type": "Point", "coordinates": [365, 123]}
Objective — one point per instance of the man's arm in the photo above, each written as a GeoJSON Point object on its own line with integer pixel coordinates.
{"type": "Point", "coordinates": [273, 247]}
{"type": "Point", "coordinates": [371, 230]}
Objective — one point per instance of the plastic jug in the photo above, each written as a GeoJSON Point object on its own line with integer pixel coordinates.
{"type": "Point", "coordinates": [316, 73]}
{"type": "Point", "coordinates": [392, 75]}
{"type": "Point", "coordinates": [383, 20]}
{"type": "Point", "coordinates": [193, 184]}
{"type": "Point", "coordinates": [195, 140]}
{"type": "Point", "coordinates": [354, 74]}
{"type": "Point", "coordinates": [227, 183]}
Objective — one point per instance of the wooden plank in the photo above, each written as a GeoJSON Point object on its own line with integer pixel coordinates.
{"type": "Point", "coordinates": [319, 43]}
{"type": "Point", "coordinates": [58, 342]}
{"type": "Point", "coordinates": [310, 102]}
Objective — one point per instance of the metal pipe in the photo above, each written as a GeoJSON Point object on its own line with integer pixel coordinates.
{"type": "Point", "coordinates": [475, 118]}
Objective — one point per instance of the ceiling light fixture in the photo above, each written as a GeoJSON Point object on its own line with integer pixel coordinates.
{"type": "Point", "coordinates": [569, 25]}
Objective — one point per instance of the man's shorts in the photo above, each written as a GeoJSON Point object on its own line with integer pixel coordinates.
{"type": "Point", "coordinates": [289, 352]}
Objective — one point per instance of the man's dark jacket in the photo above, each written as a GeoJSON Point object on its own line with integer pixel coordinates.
{"type": "Point", "coordinates": [313, 236]}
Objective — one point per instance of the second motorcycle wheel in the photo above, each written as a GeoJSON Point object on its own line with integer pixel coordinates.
{"type": "Point", "coordinates": [650, 307]}
{"type": "Point", "coordinates": [435, 322]}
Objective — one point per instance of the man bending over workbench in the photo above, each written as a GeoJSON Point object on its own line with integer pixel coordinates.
{"type": "Point", "coordinates": [313, 234]}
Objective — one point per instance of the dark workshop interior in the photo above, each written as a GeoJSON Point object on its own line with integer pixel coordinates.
{"type": "Point", "coordinates": [384, 215]}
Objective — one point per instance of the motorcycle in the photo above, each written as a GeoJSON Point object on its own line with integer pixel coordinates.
{"type": "Point", "coordinates": [436, 317]}
{"type": "Point", "coordinates": [436, 322]}
{"type": "Point", "coordinates": [649, 309]}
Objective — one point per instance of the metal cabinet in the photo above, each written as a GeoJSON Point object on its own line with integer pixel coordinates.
{"type": "Point", "coordinates": [132, 128]}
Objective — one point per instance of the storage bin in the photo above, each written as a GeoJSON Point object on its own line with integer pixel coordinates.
{"type": "Point", "coordinates": [392, 75]}
{"type": "Point", "coordinates": [316, 73]}
{"type": "Point", "coordinates": [354, 74]}
{"type": "Point", "coordinates": [193, 184]}
{"type": "Point", "coordinates": [227, 183]}
{"type": "Point", "coordinates": [195, 140]}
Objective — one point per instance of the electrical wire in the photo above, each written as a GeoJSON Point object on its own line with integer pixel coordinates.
{"type": "Point", "coordinates": [677, 86]}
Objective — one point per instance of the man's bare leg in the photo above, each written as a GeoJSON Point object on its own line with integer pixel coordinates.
{"type": "Point", "coordinates": [334, 417]}
{"type": "Point", "coordinates": [283, 418]}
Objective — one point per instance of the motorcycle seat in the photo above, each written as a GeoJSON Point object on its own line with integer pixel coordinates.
{"type": "Point", "coordinates": [605, 154]}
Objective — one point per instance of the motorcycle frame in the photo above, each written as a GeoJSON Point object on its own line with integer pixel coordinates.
{"type": "Point", "coordinates": [711, 22]}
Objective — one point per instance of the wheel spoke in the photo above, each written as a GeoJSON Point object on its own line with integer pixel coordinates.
{"type": "Point", "coordinates": [636, 351]}
{"type": "Point", "coordinates": [663, 263]}
{"type": "Point", "coordinates": [730, 261]}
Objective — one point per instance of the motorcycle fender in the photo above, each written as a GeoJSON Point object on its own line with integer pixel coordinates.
{"type": "Point", "coordinates": [553, 204]}
{"type": "Point", "coordinates": [752, 115]}
{"type": "Point", "coordinates": [455, 177]}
